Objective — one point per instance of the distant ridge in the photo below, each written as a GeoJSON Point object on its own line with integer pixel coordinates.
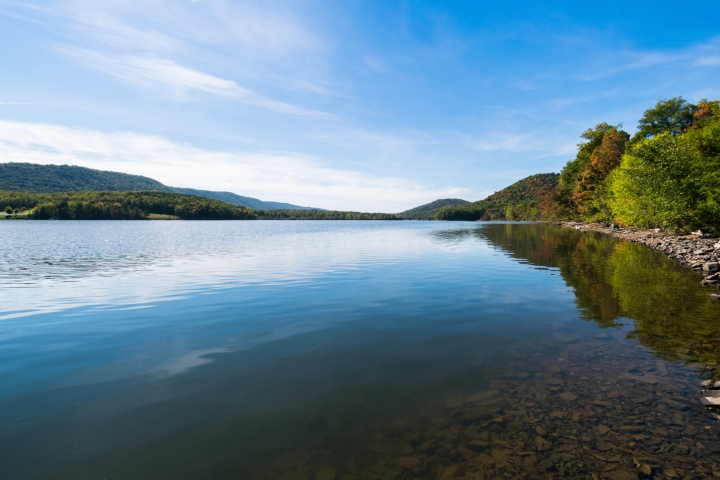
{"type": "Point", "coordinates": [234, 199]}
{"type": "Point", "coordinates": [428, 211]}
{"type": "Point", "coordinates": [35, 178]}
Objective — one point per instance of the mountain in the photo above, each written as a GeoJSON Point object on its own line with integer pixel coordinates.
{"type": "Point", "coordinates": [234, 199]}
{"type": "Point", "coordinates": [523, 200]}
{"type": "Point", "coordinates": [428, 211]}
{"type": "Point", "coordinates": [34, 178]}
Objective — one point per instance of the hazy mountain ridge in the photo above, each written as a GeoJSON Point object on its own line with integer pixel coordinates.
{"type": "Point", "coordinates": [36, 178]}
{"type": "Point", "coordinates": [235, 199]}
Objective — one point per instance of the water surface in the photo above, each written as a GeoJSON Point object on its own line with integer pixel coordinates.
{"type": "Point", "coordinates": [326, 350]}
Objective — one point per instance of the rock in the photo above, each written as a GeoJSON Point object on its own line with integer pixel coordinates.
{"type": "Point", "coordinates": [706, 383]}
{"type": "Point", "coordinates": [448, 472]}
{"type": "Point", "coordinates": [407, 462]}
{"type": "Point", "coordinates": [603, 446]}
{"type": "Point", "coordinates": [326, 472]}
{"type": "Point", "coordinates": [711, 267]}
{"type": "Point", "coordinates": [479, 444]}
{"type": "Point", "coordinates": [465, 452]}
{"type": "Point", "coordinates": [567, 396]}
{"type": "Point", "coordinates": [710, 401]}
{"type": "Point", "coordinates": [651, 379]}
{"type": "Point", "coordinates": [644, 469]}
{"type": "Point", "coordinates": [481, 397]}
{"type": "Point", "coordinates": [602, 429]}
{"type": "Point", "coordinates": [542, 444]}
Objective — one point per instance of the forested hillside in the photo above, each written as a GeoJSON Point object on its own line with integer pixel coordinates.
{"type": "Point", "coordinates": [667, 175]}
{"type": "Point", "coordinates": [34, 178]}
{"type": "Point", "coordinates": [30, 177]}
{"type": "Point", "coordinates": [523, 200]}
{"type": "Point", "coordinates": [428, 211]}
{"type": "Point", "coordinates": [135, 205]}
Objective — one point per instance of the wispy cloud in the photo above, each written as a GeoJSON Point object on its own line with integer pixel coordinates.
{"type": "Point", "coordinates": [248, 39]}
{"type": "Point", "coordinates": [211, 46]}
{"type": "Point", "coordinates": [280, 176]}
{"type": "Point", "coordinates": [613, 63]}
{"type": "Point", "coordinates": [167, 77]}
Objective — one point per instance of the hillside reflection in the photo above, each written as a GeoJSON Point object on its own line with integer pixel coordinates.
{"type": "Point", "coordinates": [612, 280]}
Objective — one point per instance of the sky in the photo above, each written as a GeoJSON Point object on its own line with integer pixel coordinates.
{"type": "Point", "coordinates": [364, 105]}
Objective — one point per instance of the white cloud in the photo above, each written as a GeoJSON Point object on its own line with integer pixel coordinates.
{"type": "Point", "coordinates": [279, 176]}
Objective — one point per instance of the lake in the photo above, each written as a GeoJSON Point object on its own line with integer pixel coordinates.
{"type": "Point", "coordinates": [349, 350]}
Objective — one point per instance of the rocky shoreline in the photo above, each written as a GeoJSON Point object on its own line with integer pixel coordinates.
{"type": "Point", "coordinates": [698, 251]}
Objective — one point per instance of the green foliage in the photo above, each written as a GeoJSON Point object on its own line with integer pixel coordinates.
{"type": "Point", "coordinates": [672, 116]}
{"type": "Point", "coordinates": [30, 177]}
{"type": "Point", "coordinates": [321, 215]}
{"type": "Point", "coordinates": [428, 211]}
{"type": "Point", "coordinates": [526, 199]}
{"type": "Point", "coordinates": [8, 209]}
{"type": "Point", "coordinates": [122, 206]}
{"type": "Point", "coordinates": [671, 181]}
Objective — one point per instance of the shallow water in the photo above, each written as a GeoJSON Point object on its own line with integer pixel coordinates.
{"type": "Point", "coordinates": [345, 350]}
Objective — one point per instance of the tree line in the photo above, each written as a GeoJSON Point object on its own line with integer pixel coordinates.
{"type": "Point", "coordinates": [321, 215]}
{"type": "Point", "coordinates": [667, 175]}
{"type": "Point", "coordinates": [134, 205]}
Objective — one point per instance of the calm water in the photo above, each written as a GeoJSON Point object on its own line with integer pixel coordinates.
{"type": "Point", "coordinates": [348, 350]}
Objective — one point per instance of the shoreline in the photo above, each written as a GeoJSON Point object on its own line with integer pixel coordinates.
{"type": "Point", "coordinates": [699, 252]}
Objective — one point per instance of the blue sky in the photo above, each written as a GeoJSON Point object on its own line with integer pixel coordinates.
{"type": "Point", "coordinates": [372, 105]}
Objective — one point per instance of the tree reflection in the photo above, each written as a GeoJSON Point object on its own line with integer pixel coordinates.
{"type": "Point", "coordinates": [612, 280]}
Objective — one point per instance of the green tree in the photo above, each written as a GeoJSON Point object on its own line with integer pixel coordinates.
{"type": "Point", "coordinates": [672, 116]}
{"type": "Point", "coordinates": [654, 186]}
{"type": "Point", "coordinates": [672, 181]}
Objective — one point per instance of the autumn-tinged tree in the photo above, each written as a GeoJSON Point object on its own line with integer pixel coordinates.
{"type": "Point", "coordinates": [593, 137]}
{"type": "Point", "coordinates": [591, 194]}
{"type": "Point", "coordinates": [581, 193]}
